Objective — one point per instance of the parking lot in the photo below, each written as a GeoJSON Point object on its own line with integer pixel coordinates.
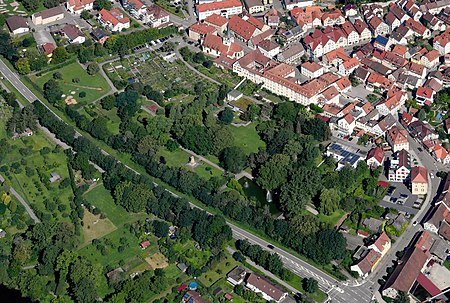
{"type": "Point", "coordinates": [400, 198]}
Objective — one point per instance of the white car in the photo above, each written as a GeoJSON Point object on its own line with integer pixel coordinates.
{"type": "Point", "coordinates": [431, 175]}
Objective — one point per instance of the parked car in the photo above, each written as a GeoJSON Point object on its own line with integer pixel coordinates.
{"type": "Point", "coordinates": [414, 223]}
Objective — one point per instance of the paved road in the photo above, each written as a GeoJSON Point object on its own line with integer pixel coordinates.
{"type": "Point", "coordinates": [23, 202]}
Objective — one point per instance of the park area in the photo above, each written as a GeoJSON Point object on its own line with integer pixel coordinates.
{"type": "Point", "coordinates": [12, 7]}
{"type": "Point", "coordinates": [74, 81]}
{"type": "Point", "coordinates": [248, 138]}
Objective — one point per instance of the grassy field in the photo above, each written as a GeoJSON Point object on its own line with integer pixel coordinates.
{"type": "Point", "coordinates": [95, 228]}
{"type": "Point", "coordinates": [94, 86]}
{"type": "Point", "coordinates": [331, 219]}
{"type": "Point", "coordinates": [196, 257]}
{"type": "Point", "coordinates": [247, 137]}
{"type": "Point", "coordinates": [180, 158]}
{"type": "Point", "coordinates": [224, 267]}
{"type": "Point", "coordinates": [101, 198]}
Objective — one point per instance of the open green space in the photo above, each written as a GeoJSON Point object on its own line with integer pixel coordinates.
{"type": "Point", "coordinates": [247, 137]}
{"type": "Point", "coordinates": [180, 158]}
{"type": "Point", "coordinates": [100, 197]}
{"type": "Point", "coordinates": [332, 219]}
{"type": "Point", "coordinates": [224, 267]}
{"type": "Point", "coordinates": [94, 86]}
{"type": "Point", "coordinates": [194, 255]}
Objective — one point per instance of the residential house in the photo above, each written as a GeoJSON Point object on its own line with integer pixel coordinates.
{"type": "Point", "coordinates": [267, 289]}
{"type": "Point", "coordinates": [419, 180]}
{"type": "Point", "coordinates": [392, 21]}
{"type": "Point", "coordinates": [332, 18]}
{"type": "Point", "coordinates": [351, 33]}
{"type": "Point", "coordinates": [418, 29]}
{"type": "Point", "coordinates": [99, 35]}
{"type": "Point", "coordinates": [440, 154]}
{"type": "Point", "coordinates": [393, 104]}
{"type": "Point", "coordinates": [378, 27]}
{"type": "Point", "coordinates": [348, 66]}
{"type": "Point", "coordinates": [155, 16]}
{"type": "Point", "coordinates": [438, 220]}
{"type": "Point", "coordinates": [292, 54]}
{"type": "Point", "coordinates": [225, 8]}
{"type": "Point", "coordinates": [441, 43]}
{"type": "Point", "coordinates": [291, 4]}
{"type": "Point", "coordinates": [344, 155]}
{"type": "Point", "coordinates": [78, 6]}
{"type": "Point", "coordinates": [73, 34]}
{"type": "Point", "coordinates": [293, 35]}
{"type": "Point", "coordinates": [254, 6]}
{"type": "Point", "coordinates": [214, 45]}
{"type": "Point", "coordinates": [424, 95]}
{"type": "Point", "coordinates": [198, 31]}
{"type": "Point", "coordinates": [311, 70]}
{"type": "Point", "coordinates": [346, 124]}
{"type": "Point", "coordinates": [350, 10]}
{"type": "Point", "coordinates": [17, 25]}
{"type": "Point", "coordinates": [432, 22]}
{"type": "Point", "coordinates": [400, 50]}
{"type": "Point", "coordinates": [422, 131]}
{"type": "Point", "coordinates": [371, 256]}
{"type": "Point", "coordinates": [272, 18]}
{"type": "Point", "coordinates": [409, 268]}
{"type": "Point", "coordinates": [246, 28]}
{"type": "Point", "coordinates": [400, 167]}
{"type": "Point", "coordinates": [47, 49]}
{"type": "Point", "coordinates": [137, 8]}
{"type": "Point", "coordinates": [269, 49]}
{"type": "Point", "coordinates": [397, 137]}
{"type": "Point", "coordinates": [48, 16]}
{"type": "Point", "coordinates": [113, 20]}
{"type": "Point", "coordinates": [193, 297]}
{"type": "Point", "coordinates": [363, 30]}
{"type": "Point", "coordinates": [237, 275]}
{"type": "Point", "coordinates": [218, 22]}
{"type": "Point", "coordinates": [375, 157]}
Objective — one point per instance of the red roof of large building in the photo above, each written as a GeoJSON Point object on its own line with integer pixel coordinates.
{"type": "Point", "coordinates": [79, 4]}
{"type": "Point", "coordinates": [202, 28]}
{"type": "Point", "coordinates": [242, 28]}
{"type": "Point", "coordinates": [397, 135]}
{"type": "Point", "coordinates": [214, 6]}
{"type": "Point", "coordinates": [216, 20]}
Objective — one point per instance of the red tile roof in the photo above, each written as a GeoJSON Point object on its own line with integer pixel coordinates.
{"type": "Point", "coordinates": [214, 6]}
{"type": "Point", "coordinates": [113, 16]}
{"type": "Point", "coordinates": [202, 28]}
{"type": "Point", "coordinates": [79, 4]}
{"type": "Point", "coordinates": [48, 48]}
{"type": "Point", "coordinates": [397, 135]}
{"type": "Point", "coordinates": [419, 174]}
{"type": "Point", "coordinates": [273, 291]}
{"type": "Point", "coordinates": [429, 286]}
{"type": "Point", "coordinates": [242, 28]}
{"type": "Point", "coordinates": [216, 20]}
{"type": "Point", "coordinates": [376, 153]}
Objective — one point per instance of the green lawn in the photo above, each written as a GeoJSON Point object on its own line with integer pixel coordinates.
{"type": "Point", "coordinates": [94, 86]}
{"type": "Point", "coordinates": [101, 198]}
{"type": "Point", "coordinates": [196, 257]}
{"type": "Point", "coordinates": [180, 158]}
{"type": "Point", "coordinates": [247, 137]}
{"type": "Point", "coordinates": [331, 219]}
{"type": "Point", "coordinates": [224, 267]}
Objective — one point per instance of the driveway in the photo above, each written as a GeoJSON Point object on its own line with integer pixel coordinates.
{"type": "Point", "coordinates": [43, 36]}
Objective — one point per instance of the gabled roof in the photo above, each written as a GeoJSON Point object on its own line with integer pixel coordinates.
{"type": "Point", "coordinates": [113, 16]}
{"type": "Point", "coordinates": [215, 6]}
{"type": "Point", "coordinates": [360, 26]}
{"type": "Point", "coordinates": [202, 28]}
{"type": "Point", "coordinates": [242, 28]}
{"type": "Point", "coordinates": [423, 92]}
{"type": "Point", "coordinates": [72, 31]}
{"type": "Point", "coordinates": [377, 153]}
{"type": "Point", "coordinates": [382, 240]}
{"type": "Point", "coordinates": [79, 4]}
{"type": "Point", "coordinates": [272, 290]}
{"type": "Point", "coordinates": [397, 135]}
{"type": "Point", "coordinates": [419, 174]}
{"type": "Point", "coordinates": [157, 12]}
{"type": "Point", "coordinates": [415, 26]}
{"type": "Point", "coordinates": [216, 19]}
{"type": "Point", "coordinates": [432, 55]}
{"type": "Point", "coordinates": [312, 66]}
{"type": "Point", "coordinates": [16, 22]}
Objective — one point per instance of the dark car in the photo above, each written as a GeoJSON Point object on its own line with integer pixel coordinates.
{"type": "Point", "coordinates": [270, 246]}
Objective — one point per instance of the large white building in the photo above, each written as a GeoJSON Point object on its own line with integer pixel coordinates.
{"type": "Point", "coordinates": [78, 6]}
{"type": "Point", "coordinates": [269, 291]}
{"type": "Point", "coordinates": [225, 8]}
